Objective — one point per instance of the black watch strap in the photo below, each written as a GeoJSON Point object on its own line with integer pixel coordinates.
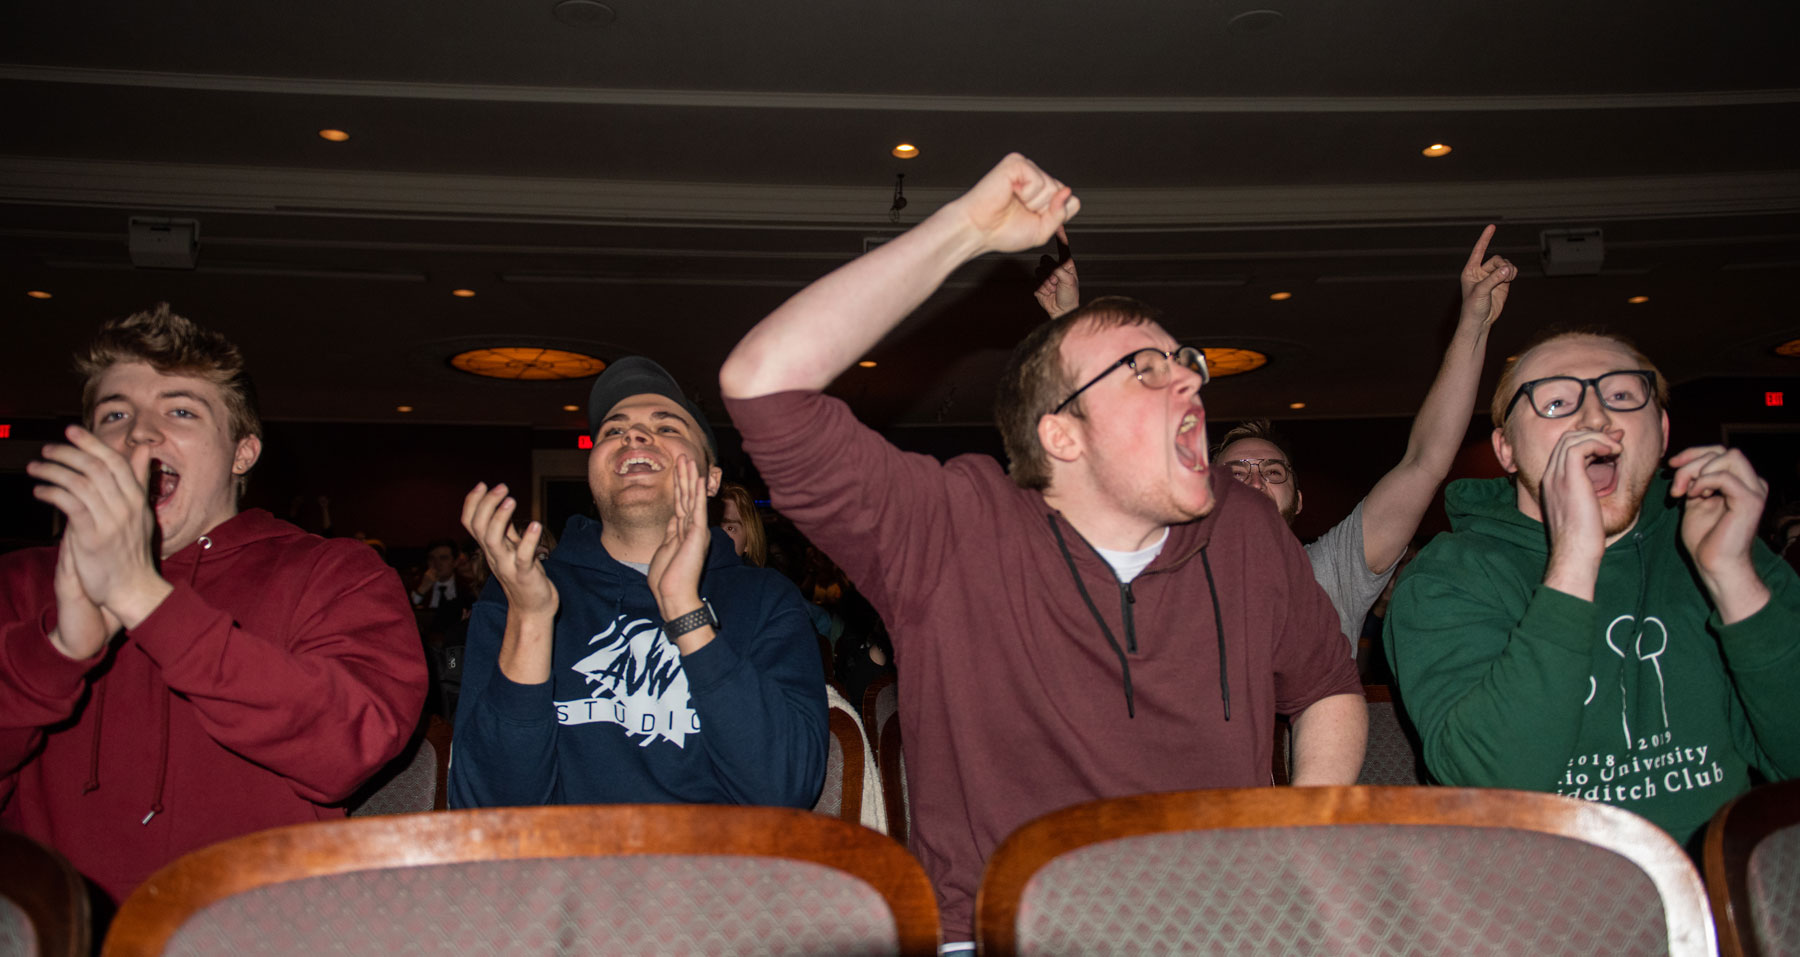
{"type": "Point", "coordinates": [698, 618]}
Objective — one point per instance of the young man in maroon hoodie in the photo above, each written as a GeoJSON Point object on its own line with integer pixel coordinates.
{"type": "Point", "coordinates": [176, 672]}
{"type": "Point", "coordinates": [1112, 618]}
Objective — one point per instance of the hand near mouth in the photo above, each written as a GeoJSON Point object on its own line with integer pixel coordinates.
{"type": "Point", "coordinates": [675, 568]}
{"type": "Point", "coordinates": [112, 525]}
{"type": "Point", "coordinates": [1724, 500]}
{"type": "Point", "coordinates": [1571, 509]}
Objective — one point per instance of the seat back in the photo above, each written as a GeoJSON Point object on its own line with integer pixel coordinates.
{"type": "Point", "coordinates": [1752, 860]}
{"type": "Point", "coordinates": [1394, 756]}
{"type": "Point", "coordinates": [1361, 870]}
{"type": "Point", "coordinates": [408, 784]}
{"type": "Point", "coordinates": [852, 788]}
{"type": "Point", "coordinates": [881, 716]}
{"type": "Point", "coordinates": [619, 879]}
{"type": "Point", "coordinates": [43, 901]}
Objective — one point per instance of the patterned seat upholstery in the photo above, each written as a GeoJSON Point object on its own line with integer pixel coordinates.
{"type": "Point", "coordinates": [1394, 757]}
{"type": "Point", "coordinates": [43, 902]}
{"type": "Point", "coordinates": [881, 718]}
{"type": "Point", "coordinates": [624, 879]}
{"type": "Point", "coordinates": [1363, 871]}
{"type": "Point", "coordinates": [408, 784]}
{"type": "Point", "coordinates": [1752, 859]}
{"type": "Point", "coordinates": [852, 788]}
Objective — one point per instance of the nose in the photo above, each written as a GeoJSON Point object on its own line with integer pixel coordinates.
{"type": "Point", "coordinates": [1253, 477]}
{"type": "Point", "coordinates": [144, 431]}
{"type": "Point", "coordinates": [1593, 414]}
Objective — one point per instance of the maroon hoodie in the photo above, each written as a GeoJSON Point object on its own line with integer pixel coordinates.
{"type": "Point", "coordinates": [1013, 700]}
{"type": "Point", "coordinates": [281, 673]}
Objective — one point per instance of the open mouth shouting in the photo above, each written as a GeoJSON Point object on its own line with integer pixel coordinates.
{"type": "Point", "coordinates": [1190, 441]}
{"type": "Point", "coordinates": [163, 481]}
{"type": "Point", "coordinates": [1603, 473]}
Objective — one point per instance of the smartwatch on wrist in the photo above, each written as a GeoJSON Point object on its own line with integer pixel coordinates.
{"type": "Point", "coordinates": [698, 618]}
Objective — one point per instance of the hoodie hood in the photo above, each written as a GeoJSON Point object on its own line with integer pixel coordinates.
{"type": "Point", "coordinates": [1491, 507]}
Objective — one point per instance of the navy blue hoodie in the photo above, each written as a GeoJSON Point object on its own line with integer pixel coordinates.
{"type": "Point", "coordinates": [625, 717]}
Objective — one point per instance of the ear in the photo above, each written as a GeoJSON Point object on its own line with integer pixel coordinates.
{"type": "Point", "coordinates": [1665, 434]}
{"type": "Point", "coordinates": [249, 449]}
{"type": "Point", "coordinates": [1060, 436]}
{"type": "Point", "coordinates": [1504, 452]}
{"type": "Point", "coordinates": [1299, 499]}
{"type": "Point", "coordinates": [713, 476]}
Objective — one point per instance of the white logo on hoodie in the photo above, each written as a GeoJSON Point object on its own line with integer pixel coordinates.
{"type": "Point", "coordinates": [638, 684]}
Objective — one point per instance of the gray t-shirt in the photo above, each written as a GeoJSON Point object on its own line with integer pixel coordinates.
{"type": "Point", "coordinates": [1340, 568]}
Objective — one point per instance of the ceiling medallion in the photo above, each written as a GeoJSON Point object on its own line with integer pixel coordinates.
{"type": "Point", "coordinates": [527, 363]}
{"type": "Point", "coordinates": [1222, 361]}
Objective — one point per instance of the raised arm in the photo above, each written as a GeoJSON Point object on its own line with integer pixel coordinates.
{"type": "Point", "coordinates": [834, 322]}
{"type": "Point", "coordinates": [1392, 511]}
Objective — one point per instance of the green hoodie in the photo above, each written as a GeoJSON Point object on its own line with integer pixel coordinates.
{"type": "Point", "coordinates": [1516, 685]}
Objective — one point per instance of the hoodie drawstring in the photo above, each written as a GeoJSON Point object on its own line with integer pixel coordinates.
{"type": "Point", "coordinates": [1124, 663]}
{"type": "Point", "coordinates": [162, 738]}
{"type": "Point", "coordinates": [93, 779]}
{"type": "Point", "coordinates": [1218, 630]}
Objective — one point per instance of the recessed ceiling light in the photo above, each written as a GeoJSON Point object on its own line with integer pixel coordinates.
{"type": "Point", "coordinates": [905, 151]}
{"type": "Point", "coordinates": [1435, 150]}
{"type": "Point", "coordinates": [403, 408]}
{"type": "Point", "coordinates": [1281, 296]}
{"type": "Point", "coordinates": [1296, 405]}
{"type": "Point", "coordinates": [1790, 348]}
{"type": "Point", "coordinates": [527, 362]}
{"type": "Point", "coordinates": [1638, 300]}
{"type": "Point", "coordinates": [463, 293]}
{"type": "Point", "coordinates": [336, 136]}
{"type": "Point", "coordinates": [867, 363]}
{"type": "Point", "coordinates": [1222, 361]}
{"type": "Point", "coordinates": [37, 294]}
{"type": "Point", "coordinates": [571, 408]}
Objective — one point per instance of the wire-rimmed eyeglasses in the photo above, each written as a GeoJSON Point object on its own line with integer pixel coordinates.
{"type": "Point", "coordinates": [1153, 367]}
{"type": "Point", "coordinates": [1273, 471]}
{"type": "Point", "coordinates": [1557, 396]}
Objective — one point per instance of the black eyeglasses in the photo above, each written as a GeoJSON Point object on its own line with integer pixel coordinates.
{"type": "Point", "coordinates": [1153, 367]}
{"type": "Point", "coordinates": [1558, 396]}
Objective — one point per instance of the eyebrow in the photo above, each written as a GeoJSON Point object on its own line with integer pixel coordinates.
{"type": "Point", "coordinates": [171, 394]}
{"type": "Point", "coordinates": [658, 414]}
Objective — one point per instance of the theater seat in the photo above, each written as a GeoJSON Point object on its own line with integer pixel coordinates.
{"type": "Point", "coordinates": [620, 879]}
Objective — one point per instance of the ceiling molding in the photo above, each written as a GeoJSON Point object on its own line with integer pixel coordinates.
{"type": "Point", "coordinates": [777, 100]}
{"type": "Point", "coordinates": [352, 194]}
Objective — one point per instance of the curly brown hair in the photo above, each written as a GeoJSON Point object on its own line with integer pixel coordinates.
{"type": "Point", "coordinates": [172, 345]}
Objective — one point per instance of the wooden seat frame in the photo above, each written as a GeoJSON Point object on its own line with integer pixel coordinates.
{"type": "Point", "coordinates": [1034, 845]}
{"type": "Point", "coordinates": [887, 749]}
{"type": "Point", "coordinates": [153, 913]}
{"type": "Point", "coordinates": [47, 888]}
{"type": "Point", "coordinates": [1731, 838]}
{"type": "Point", "coordinates": [851, 741]}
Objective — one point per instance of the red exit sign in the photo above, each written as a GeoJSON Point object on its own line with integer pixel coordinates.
{"type": "Point", "coordinates": [5, 431]}
{"type": "Point", "coordinates": [1772, 399]}
{"type": "Point", "coordinates": [587, 441]}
